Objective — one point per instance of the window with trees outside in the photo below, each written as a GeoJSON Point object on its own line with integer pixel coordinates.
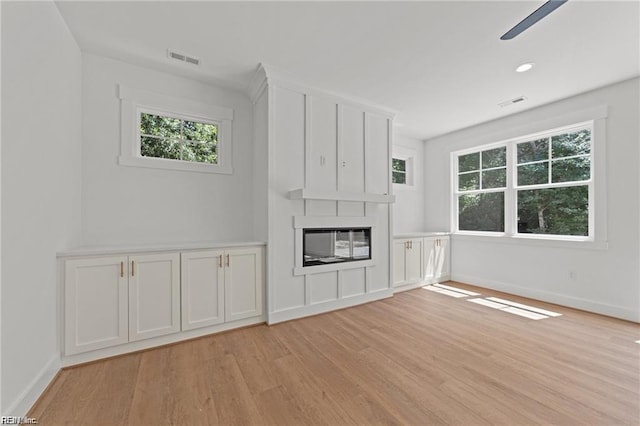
{"type": "Point", "coordinates": [160, 131]}
{"type": "Point", "coordinates": [540, 186]}
{"type": "Point", "coordinates": [399, 171]}
{"type": "Point", "coordinates": [173, 138]}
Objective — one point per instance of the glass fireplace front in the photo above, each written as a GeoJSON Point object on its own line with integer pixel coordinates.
{"type": "Point", "coordinates": [325, 246]}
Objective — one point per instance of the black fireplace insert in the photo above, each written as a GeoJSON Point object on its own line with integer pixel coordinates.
{"type": "Point", "coordinates": [322, 246]}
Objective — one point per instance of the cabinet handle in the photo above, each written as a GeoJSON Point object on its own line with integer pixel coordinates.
{"type": "Point", "coordinates": [228, 261]}
{"type": "Point", "coordinates": [406, 245]}
{"type": "Point", "coordinates": [410, 244]}
{"type": "Point", "coordinates": [121, 269]}
{"type": "Point", "coordinates": [220, 261]}
{"type": "Point", "coordinates": [133, 269]}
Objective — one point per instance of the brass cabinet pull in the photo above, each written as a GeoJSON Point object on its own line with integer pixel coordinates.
{"type": "Point", "coordinates": [228, 261]}
{"type": "Point", "coordinates": [410, 244]}
{"type": "Point", "coordinates": [220, 261]}
{"type": "Point", "coordinates": [133, 270]}
{"type": "Point", "coordinates": [121, 269]}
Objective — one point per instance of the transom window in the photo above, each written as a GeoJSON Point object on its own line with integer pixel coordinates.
{"type": "Point", "coordinates": [540, 185]}
{"type": "Point", "coordinates": [173, 138]}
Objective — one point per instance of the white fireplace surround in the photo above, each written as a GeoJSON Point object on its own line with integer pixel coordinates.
{"type": "Point", "coordinates": [305, 222]}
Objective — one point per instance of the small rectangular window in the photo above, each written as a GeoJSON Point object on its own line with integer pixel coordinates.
{"type": "Point", "coordinates": [165, 132]}
{"type": "Point", "coordinates": [172, 138]}
{"type": "Point", "coordinates": [399, 171]}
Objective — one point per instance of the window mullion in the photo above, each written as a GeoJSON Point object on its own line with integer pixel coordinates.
{"type": "Point", "coordinates": [510, 207]}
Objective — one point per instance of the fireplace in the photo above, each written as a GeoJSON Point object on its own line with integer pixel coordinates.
{"type": "Point", "coordinates": [333, 243]}
{"type": "Point", "coordinates": [322, 246]}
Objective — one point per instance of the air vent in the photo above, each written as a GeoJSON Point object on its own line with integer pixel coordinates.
{"type": "Point", "coordinates": [183, 58]}
{"type": "Point", "coordinates": [512, 101]}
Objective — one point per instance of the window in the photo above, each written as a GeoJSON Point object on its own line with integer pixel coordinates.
{"type": "Point", "coordinates": [553, 179]}
{"type": "Point", "coordinates": [399, 171]}
{"type": "Point", "coordinates": [160, 131]}
{"type": "Point", "coordinates": [535, 186]}
{"type": "Point", "coordinates": [177, 139]}
{"type": "Point", "coordinates": [482, 179]}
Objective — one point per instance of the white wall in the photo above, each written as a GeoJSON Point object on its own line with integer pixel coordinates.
{"type": "Point", "coordinates": [41, 154]}
{"type": "Point", "coordinates": [408, 210]}
{"type": "Point", "coordinates": [607, 280]}
{"type": "Point", "coordinates": [127, 205]}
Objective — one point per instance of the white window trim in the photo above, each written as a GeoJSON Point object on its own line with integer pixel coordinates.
{"type": "Point", "coordinates": [408, 155]}
{"type": "Point", "coordinates": [596, 118]}
{"type": "Point", "coordinates": [135, 101]}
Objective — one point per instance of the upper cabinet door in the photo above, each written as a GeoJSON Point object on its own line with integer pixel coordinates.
{"type": "Point", "coordinates": [377, 170]}
{"type": "Point", "coordinates": [154, 295]}
{"type": "Point", "coordinates": [202, 288]}
{"type": "Point", "coordinates": [322, 134]}
{"type": "Point", "coordinates": [351, 149]}
{"type": "Point", "coordinates": [95, 293]}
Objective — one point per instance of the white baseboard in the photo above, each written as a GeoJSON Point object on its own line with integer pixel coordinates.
{"type": "Point", "coordinates": [319, 308]}
{"type": "Point", "coordinates": [140, 345]}
{"type": "Point", "coordinates": [550, 297]}
{"type": "Point", "coordinates": [23, 403]}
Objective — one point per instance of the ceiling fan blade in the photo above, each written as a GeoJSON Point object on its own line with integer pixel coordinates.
{"type": "Point", "coordinates": [540, 13]}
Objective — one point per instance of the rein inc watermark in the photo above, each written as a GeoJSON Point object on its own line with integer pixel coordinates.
{"type": "Point", "coordinates": [18, 420]}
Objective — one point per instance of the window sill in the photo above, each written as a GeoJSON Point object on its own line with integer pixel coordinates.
{"type": "Point", "coordinates": [542, 242]}
{"type": "Point", "coordinates": [160, 163]}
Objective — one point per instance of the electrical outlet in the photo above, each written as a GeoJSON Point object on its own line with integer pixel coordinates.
{"type": "Point", "coordinates": [573, 275]}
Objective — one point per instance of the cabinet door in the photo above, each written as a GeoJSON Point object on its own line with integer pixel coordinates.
{"type": "Point", "coordinates": [95, 303]}
{"type": "Point", "coordinates": [430, 260]}
{"type": "Point", "coordinates": [443, 259]}
{"type": "Point", "coordinates": [351, 160]}
{"type": "Point", "coordinates": [243, 283]}
{"type": "Point", "coordinates": [414, 260]}
{"type": "Point", "coordinates": [322, 160]}
{"type": "Point", "coordinates": [399, 272]}
{"type": "Point", "coordinates": [202, 288]}
{"type": "Point", "coordinates": [154, 295]}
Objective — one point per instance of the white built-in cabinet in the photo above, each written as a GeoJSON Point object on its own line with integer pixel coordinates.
{"type": "Point", "coordinates": [221, 286]}
{"type": "Point", "coordinates": [407, 261]}
{"type": "Point", "coordinates": [437, 259]}
{"type": "Point", "coordinates": [116, 300]}
{"type": "Point", "coordinates": [420, 260]}
{"type": "Point", "coordinates": [322, 159]}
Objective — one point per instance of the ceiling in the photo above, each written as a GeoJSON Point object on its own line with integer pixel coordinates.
{"type": "Point", "coordinates": [440, 65]}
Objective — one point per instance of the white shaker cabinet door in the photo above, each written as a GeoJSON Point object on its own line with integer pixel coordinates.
{"type": "Point", "coordinates": [95, 303]}
{"type": "Point", "coordinates": [202, 288]}
{"type": "Point", "coordinates": [243, 281]}
{"type": "Point", "coordinates": [154, 295]}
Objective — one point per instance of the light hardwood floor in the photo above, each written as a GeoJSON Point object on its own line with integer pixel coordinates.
{"type": "Point", "coordinates": [417, 358]}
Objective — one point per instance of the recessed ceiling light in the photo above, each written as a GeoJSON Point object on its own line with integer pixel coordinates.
{"type": "Point", "coordinates": [525, 67]}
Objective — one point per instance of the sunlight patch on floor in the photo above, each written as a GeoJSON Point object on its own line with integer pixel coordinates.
{"type": "Point", "coordinates": [444, 291]}
{"type": "Point", "coordinates": [459, 290]}
{"type": "Point", "coordinates": [525, 307]}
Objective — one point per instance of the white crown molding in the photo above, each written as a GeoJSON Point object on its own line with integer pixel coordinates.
{"type": "Point", "coordinates": [266, 75]}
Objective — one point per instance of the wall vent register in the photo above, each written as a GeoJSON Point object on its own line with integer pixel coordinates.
{"type": "Point", "coordinates": [335, 245]}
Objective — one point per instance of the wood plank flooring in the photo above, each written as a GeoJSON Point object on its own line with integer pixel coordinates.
{"type": "Point", "coordinates": [417, 358]}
